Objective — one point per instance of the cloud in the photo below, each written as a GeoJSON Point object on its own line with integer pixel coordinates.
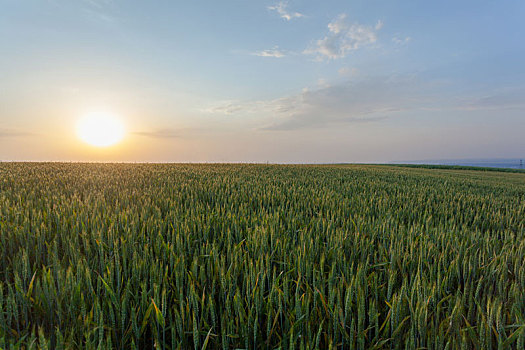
{"type": "Point", "coordinates": [512, 99]}
{"type": "Point", "coordinates": [160, 133]}
{"type": "Point", "coordinates": [401, 41]}
{"type": "Point", "coordinates": [274, 52]}
{"type": "Point", "coordinates": [227, 107]}
{"type": "Point", "coordinates": [347, 71]}
{"type": "Point", "coordinates": [376, 99]}
{"type": "Point", "coordinates": [343, 38]}
{"type": "Point", "coordinates": [281, 9]}
{"type": "Point", "coordinates": [4, 133]}
{"type": "Point", "coordinates": [100, 11]}
{"type": "Point", "coordinates": [100, 4]}
{"type": "Point", "coordinates": [367, 100]}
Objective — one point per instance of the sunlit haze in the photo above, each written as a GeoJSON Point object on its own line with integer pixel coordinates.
{"type": "Point", "coordinates": [261, 81]}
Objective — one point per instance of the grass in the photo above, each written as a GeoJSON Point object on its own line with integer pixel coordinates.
{"type": "Point", "coordinates": [175, 256]}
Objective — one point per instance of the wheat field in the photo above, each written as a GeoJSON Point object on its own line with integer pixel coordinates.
{"type": "Point", "coordinates": [218, 256]}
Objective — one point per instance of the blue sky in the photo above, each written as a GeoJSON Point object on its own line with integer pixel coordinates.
{"type": "Point", "coordinates": [279, 81]}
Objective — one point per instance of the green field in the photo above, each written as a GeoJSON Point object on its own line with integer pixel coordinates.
{"type": "Point", "coordinates": [260, 256]}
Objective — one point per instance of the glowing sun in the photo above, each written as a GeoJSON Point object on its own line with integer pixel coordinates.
{"type": "Point", "coordinates": [100, 129]}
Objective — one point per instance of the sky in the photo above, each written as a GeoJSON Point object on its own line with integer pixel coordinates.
{"type": "Point", "coordinates": [264, 81]}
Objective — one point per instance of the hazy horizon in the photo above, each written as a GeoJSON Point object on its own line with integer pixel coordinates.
{"type": "Point", "coordinates": [510, 163]}
{"type": "Point", "coordinates": [268, 81]}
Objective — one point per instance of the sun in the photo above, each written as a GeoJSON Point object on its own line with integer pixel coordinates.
{"type": "Point", "coordinates": [100, 129]}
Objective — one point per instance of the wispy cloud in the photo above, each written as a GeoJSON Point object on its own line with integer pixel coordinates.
{"type": "Point", "coordinates": [99, 3]}
{"type": "Point", "coordinates": [273, 52]}
{"type": "Point", "coordinates": [343, 37]}
{"type": "Point", "coordinates": [100, 10]}
{"type": "Point", "coordinates": [379, 98]}
{"type": "Point", "coordinates": [367, 100]}
{"type": "Point", "coordinates": [228, 107]}
{"type": "Point", "coordinates": [166, 133]}
{"type": "Point", "coordinates": [513, 99]}
{"type": "Point", "coordinates": [282, 10]}
{"type": "Point", "coordinates": [13, 133]}
{"type": "Point", "coordinates": [347, 71]}
{"type": "Point", "coordinates": [401, 41]}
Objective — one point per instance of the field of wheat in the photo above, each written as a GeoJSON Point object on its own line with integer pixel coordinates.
{"type": "Point", "coordinates": [175, 256]}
